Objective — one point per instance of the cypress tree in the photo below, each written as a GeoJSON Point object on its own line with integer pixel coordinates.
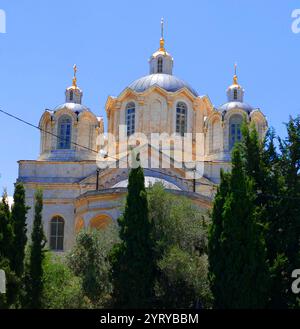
{"type": "Point", "coordinates": [240, 278]}
{"type": "Point", "coordinates": [6, 242]}
{"type": "Point", "coordinates": [276, 182]}
{"type": "Point", "coordinates": [34, 272]}
{"type": "Point", "coordinates": [6, 232]}
{"type": "Point", "coordinates": [290, 206]}
{"type": "Point", "coordinates": [290, 164]}
{"type": "Point", "coordinates": [268, 185]}
{"type": "Point", "coordinates": [19, 211]}
{"type": "Point", "coordinates": [217, 258]}
{"type": "Point", "coordinates": [132, 260]}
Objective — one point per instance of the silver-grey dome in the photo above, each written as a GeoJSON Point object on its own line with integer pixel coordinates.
{"type": "Point", "coordinates": [236, 105]}
{"type": "Point", "coordinates": [165, 81]}
{"type": "Point", "coordinates": [77, 108]}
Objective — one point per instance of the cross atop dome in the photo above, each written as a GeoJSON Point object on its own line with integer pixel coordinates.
{"type": "Point", "coordinates": [235, 92]}
{"type": "Point", "coordinates": [235, 78]}
{"type": "Point", "coordinates": [73, 93]}
{"type": "Point", "coordinates": [161, 61]}
{"type": "Point", "coordinates": [162, 40]}
{"type": "Point", "coordinates": [74, 81]}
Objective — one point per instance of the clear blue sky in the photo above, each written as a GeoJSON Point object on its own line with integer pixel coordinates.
{"type": "Point", "coordinates": [111, 42]}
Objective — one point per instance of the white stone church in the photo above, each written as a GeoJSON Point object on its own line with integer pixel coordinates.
{"type": "Point", "coordinates": [77, 194]}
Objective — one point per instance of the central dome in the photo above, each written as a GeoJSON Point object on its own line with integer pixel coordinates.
{"type": "Point", "coordinates": [165, 81]}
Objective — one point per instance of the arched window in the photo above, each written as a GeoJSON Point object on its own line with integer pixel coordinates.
{"type": "Point", "coordinates": [64, 132]}
{"type": "Point", "coordinates": [130, 118]}
{"type": "Point", "coordinates": [159, 65]}
{"type": "Point", "coordinates": [71, 95]}
{"type": "Point", "coordinates": [57, 233]}
{"type": "Point", "coordinates": [235, 134]}
{"type": "Point", "coordinates": [181, 118]}
{"type": "Point", "coordinates": [235, 94]}
{"type": "Point", "coordinates": [216, 132]}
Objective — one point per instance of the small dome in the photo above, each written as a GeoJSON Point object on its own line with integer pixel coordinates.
{"type": "Point", "coordinates": [77, 108]}
{"type": "Point", "coordinates": [235, 97]}
{"type": "Point", "coordinates": [167, 82]}
{"type": "Point", "coordinates": [235, 86]}
{"type": "Point", "coordinates": [236, 105]}
{"type": "Point", "coordinates": [74, 88]}
{"type": "Point", "coordinates": [160, 52]}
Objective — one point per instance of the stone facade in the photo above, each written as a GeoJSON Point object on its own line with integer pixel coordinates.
{"type": "Point", "coordinates": [68, 166]}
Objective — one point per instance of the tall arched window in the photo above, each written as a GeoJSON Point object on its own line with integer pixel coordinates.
{"type": "Point", "coordinates": [181, 118]}
{"type": "Point", "coordinates": [235, 134]}
{"type": "Point", "coordinates": [159, 65]}
{"type": "Point", "coordinates": [71, 95]}
{"type": "Point", "coordinates": [57, 225]}
{"type": "Point", "coordinates": [130, 118]}
{"type": "Point", "coordinates": [216, 132]}
{"type": "Point", "coordinates": [64, 132]}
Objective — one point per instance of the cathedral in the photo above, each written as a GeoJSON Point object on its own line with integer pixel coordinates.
{"type": "Point", "coordinates": [83, 170]}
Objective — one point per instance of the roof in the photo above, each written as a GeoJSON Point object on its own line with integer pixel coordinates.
{"type": "Point", "coordinates": [77, 108]}
{"type": "Point", "coordinates": [236, 105]}
{"type": "Point", "coordinates": [167, 82]}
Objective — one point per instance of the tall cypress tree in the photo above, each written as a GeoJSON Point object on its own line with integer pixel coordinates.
{"type": "Point", "coordinates": [290, 164]}
{"type": "Point", "coordinates": [217, 260]}
{"type": "Point", "coordinates": [276, 182]}
{"type": "Point", "coordinates": [18, 216]}
{"type": "Point", "coordinates": [290, 205]}
{"type": "Point", "coordinates": [6, 232]}
{"type": "Point", "coordinates": [34, 272]}
{"type": "Point", "coordinates": [132, 260]}
{"type": "Point", "coordinates": [6, 241]}
{"type": "Point", "coordinates": [240, 278]}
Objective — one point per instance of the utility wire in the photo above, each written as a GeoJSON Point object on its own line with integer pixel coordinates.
{"type": "Point", "coordinates": [116, 159]}
{"type": "Point", "coordinates": [85, 147]}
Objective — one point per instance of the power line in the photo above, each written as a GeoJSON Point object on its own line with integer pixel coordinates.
{"type": "Point", "coordinates": [116, 159]}
{"type": "Point", "coordinates": [46, 131]}
{"type": "Point", "coordinates": [87, 148]}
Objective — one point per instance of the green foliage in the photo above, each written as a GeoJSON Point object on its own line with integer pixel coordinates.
{"type": "Point", "coordinates": [89, 260]}
{"type": "Point", "coordinates": [280, 283]}
{"type": "Point", "coordinates": [34, 270]}
{"type": "Point", "coordinates": [180, 237]}
{"type": "Point", "coordinates": [289, 162]}
{"type": "Point", "coordinates": [133, 268]}
{"type": "Point", "coordinates": [6, 232]}
{"type": "Point", "coordinates": [18, 215]}
{"type": "Point", "coordinates": [10, 299]}
{"type": "Point", "coordinates": [177, 221]}
{"type": "Point", "coordinates": [183, 280]}
{"type": "Point", "coordinates": [241, 280]}
{"type": "Point", "coordinates": [276, 181]}
{"type": "Point", "coordinates": [62, 289]}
